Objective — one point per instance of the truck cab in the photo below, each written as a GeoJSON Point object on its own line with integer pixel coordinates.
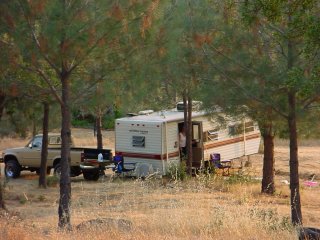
{"type": "Point", "coordinates": [29, 157]}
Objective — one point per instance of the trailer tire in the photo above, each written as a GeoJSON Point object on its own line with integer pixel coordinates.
{"type": "Point", "coordinates": [12, 169]}
{"type": "Point", "coordinates": [92, 175]}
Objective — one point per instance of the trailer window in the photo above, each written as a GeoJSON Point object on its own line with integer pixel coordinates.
{"type": "Point", "coordinates": [196, 134]}
{"type": "Point", "coordinates": [138, 141]}
{"type": "Point", "coordinates": [236, 129]}
{"type": "Point", "coordinates": [249, 126]}
{"type": "Point", "coordinates": [213, 135]}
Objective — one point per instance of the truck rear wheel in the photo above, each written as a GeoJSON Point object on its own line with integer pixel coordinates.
{"type": "Point", "coordinates": [57, 170]}
{"type": "Point", "coordinates": [12, 169]}
{"type": "Point", "coordinates": [91, 175]}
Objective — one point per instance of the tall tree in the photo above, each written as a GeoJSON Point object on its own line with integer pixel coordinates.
{"type": "Point", "coordinates": [274, 74]}
{"type": "Point", "coordinates": [57, 37]}
{"type": "Point", "coordinates": [241, 81]}
{"type": "Point", "coordinates": [288, 22]}
{"type": "Point", "coordinates": [178, 37]}
{"type": "Point", "coordinates": [44, 146]}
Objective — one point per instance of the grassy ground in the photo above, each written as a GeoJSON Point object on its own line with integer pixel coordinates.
{"type": "Point", "coordinates": [203, 207]}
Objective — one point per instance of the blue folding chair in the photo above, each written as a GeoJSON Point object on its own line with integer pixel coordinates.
{"type": "Point", "coordinates": [215, 159]}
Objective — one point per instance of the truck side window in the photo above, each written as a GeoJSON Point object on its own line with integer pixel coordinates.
{"type": "Point", "coordinates": [37, 142]}
{"type": "Point", "coordinates": [54, 140]}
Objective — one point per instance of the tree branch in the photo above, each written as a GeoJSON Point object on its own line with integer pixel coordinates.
{"type": "Point", "coordinates": [34, 37]}
{"type": "Point", "coordinates": [51, 86]}
{"type": "Point", "coordinates": [248, 94]}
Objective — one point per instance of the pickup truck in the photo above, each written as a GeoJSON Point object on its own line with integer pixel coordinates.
{"type": "Point", "coordinates": [94, 162]}
{"type": "Point", "coordinates": [29, 157]}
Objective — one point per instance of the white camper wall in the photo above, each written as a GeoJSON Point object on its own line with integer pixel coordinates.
{"type": "Point", "coordinates": [151, 131]}
{"type": "Point", "coordinates": [171, 143]}
{"type": "Point", "coordinates": [229, 146]}
{"type": "Point", "coordinates": [172, 138]}
{"type": "Point", "coordinates": [150, 154]}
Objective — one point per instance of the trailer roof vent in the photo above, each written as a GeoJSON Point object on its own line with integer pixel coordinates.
{"type": "Point", "coordinates": [195, 106]}
{"type": "Point", "coordinates": [145, 112]}
{"type": "Point", "coordinates": [131, 114]}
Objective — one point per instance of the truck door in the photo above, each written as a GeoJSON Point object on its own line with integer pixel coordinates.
{"type": "Point", "coordinates": [197, 144]}
{"type": "Point", "coordinates": [32, 153]}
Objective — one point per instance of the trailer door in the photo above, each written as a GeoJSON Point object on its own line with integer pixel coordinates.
{"type": "Point", "coordinates": [197, 144]}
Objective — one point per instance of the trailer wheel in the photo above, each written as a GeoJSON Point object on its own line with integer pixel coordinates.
{"type": "Point", "coordinates": [12, 169]}
{"type": "Point", "coordinates": [92, 175]}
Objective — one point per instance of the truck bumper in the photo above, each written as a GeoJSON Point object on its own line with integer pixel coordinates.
{"type": "Point", "coordinates": [86, 167]}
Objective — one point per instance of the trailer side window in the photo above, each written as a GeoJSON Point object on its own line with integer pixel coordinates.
{"type": "Point", "coordinates": [249, 127]}
{"type": "Point", "coordinates": [236, 129]}
{"type": "Point", "coordinates": [213, 135]}
{"type": "Point", "coordinates": [138, 141]}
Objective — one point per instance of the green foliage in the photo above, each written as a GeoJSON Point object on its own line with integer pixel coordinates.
{"type": "Point", "coordinates": [22, 199]}
{"type": "Point", "coordinates": [53, 181]}
{"type": "Point", "coordinates": [108, 122]}
{"type": "Point", "coordinates": [272, 220]}
{"type": "Point", "coordinates": [42, 198]}
{"type": "Point", "coordinates": [241, 178]}
{"type": "Point", "coordinates": [83, 123]}
{"type": "Point", "coordinates": [177, 172]}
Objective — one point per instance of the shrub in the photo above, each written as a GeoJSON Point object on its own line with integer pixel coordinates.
{"type": "Point", "coordinates": [52, 181]}
{"type": "Point", "coordinates": [240, 178]}
{"type": "Point", "coordinates": [177, 171]}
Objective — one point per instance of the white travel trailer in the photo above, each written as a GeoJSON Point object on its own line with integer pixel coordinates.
{"type": "Point", "coordinates": [153, 138]}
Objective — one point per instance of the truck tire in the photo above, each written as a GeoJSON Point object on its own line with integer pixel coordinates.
{"type": "Point", "coordinates": [92, 175]}
{"type": "Point", "coordinates": [75, 171]}
{"type": "Point", "coordinates": [57, 170]}
{"type": "Point", "coordinates": [12, 169]}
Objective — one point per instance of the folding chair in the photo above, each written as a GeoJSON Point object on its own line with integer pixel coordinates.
{"type": "Point", "coordinates": [119, 168]}
{"type": "Point", "coordinates": [215, 159]}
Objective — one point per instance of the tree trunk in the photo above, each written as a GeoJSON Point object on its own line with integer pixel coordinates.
{"type": "Point", "coordinates": [44, 148]}
{"type": "Point", "coordinates": [296, 214]}
{"type": "Point", "coordinates": [2, 102]}
{"type": "Point", "coordinates": [189, 135]}
{"type": "Point", "coordinates": [34, 126]}
{"type": "Point", "coordinates": [2, 203]}
{"type": "Point", "coordinates": [268, 161]}
{"type": "Point", "coordinates": [185, 118]}
{"type": "Point", "coordinates": [65, 184]}
{"type": "Point", "coordinates": [99, 132]}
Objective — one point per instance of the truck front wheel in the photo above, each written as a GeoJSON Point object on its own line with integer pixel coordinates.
{"type": "Point", "coordinates": [12, 169]}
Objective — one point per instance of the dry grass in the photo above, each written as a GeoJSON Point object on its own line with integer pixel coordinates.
{"type": "Point", "coordinates": [206, 207]}
{"type": "Point", "coordinates": [195, 209]}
